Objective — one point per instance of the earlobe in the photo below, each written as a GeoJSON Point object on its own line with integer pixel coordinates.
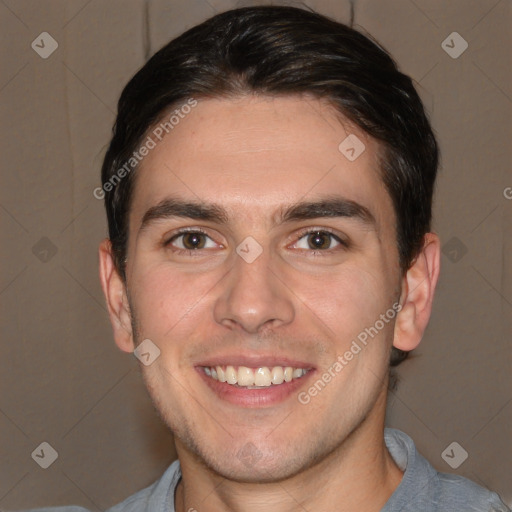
{"type": "Point", "coordinates": [114, 290]}
{"type": "Point", "coordinates": [418, 287]}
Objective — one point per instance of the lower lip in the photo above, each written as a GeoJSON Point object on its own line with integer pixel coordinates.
{"type": "Point", "coordinates": [264, 397]}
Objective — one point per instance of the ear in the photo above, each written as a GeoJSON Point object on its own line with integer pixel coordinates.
{"type": "Point", "coordinates": [418, 287]}
{"type": "Point", "coordinates": [114, 290]}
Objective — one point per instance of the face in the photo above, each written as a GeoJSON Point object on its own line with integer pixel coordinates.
{"type": "Point", "coordinates": [256, 246]}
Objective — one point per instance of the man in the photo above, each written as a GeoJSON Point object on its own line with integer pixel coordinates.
{"type": "Point", "coordinates": [268, 190]}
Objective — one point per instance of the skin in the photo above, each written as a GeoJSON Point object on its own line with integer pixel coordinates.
{"type": "Point", "coordinates": [254, 156]}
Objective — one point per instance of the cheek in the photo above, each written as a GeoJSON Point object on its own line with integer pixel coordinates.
{"type": "Point", "coordinates": [347, 300]}
{"type": "Point", "coordinates": [165, 300]}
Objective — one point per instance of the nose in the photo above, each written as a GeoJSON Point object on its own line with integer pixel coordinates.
{"type": "Point", "coordinates": [253, 297]}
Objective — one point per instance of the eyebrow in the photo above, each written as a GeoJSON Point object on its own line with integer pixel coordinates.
{"type": "Point", "coordinates": [333, 206]}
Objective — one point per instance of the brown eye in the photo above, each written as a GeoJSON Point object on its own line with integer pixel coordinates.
{"type": "Point", "coordinates": [193, 240]}
{"type": "Point", "coordinates": [190, 241]}
{"type": "Point", "coordinates": [319, 240]}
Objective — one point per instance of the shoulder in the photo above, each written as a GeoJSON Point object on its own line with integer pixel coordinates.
{"type": "Point", "coordinates": [159, 496]}
{"type": "Point", "coordinates": [424, 488]}
{"type": "Point", "coordinates": [461, 493]}
{"type": "Point", "coordinates": [156, 497]}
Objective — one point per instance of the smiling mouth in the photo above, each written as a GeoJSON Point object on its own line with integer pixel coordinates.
{"type": "Point", "coordinates": [254, 378]}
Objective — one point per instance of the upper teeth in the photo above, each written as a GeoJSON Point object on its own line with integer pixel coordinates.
{"type": "Point", "coordinates": [257, 377]}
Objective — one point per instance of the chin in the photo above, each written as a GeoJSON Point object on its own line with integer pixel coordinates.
{"type": "Point", "coordinates": [260, 471]}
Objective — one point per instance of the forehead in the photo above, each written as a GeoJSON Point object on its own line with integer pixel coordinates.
{"type": "Point", "coordinates": [254, 154]}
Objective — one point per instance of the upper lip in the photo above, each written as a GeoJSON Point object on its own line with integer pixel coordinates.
{"type": "Point", "coordinates": [254, 361]}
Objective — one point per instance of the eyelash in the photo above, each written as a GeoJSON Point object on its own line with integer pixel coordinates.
{"type": "Point", "coordinates": [301, 234]}
{"type": "Point", "coordinates": [187, 252]}
{"type": "Point", "coordinates": [321, 252]}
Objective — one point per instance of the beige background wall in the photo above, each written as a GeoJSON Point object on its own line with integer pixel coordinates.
{"type": "Point", "coordinates": [62, 379]}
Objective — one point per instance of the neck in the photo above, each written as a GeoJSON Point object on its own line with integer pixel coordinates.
{"type": "Point", "coordinates": [359, 474]}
